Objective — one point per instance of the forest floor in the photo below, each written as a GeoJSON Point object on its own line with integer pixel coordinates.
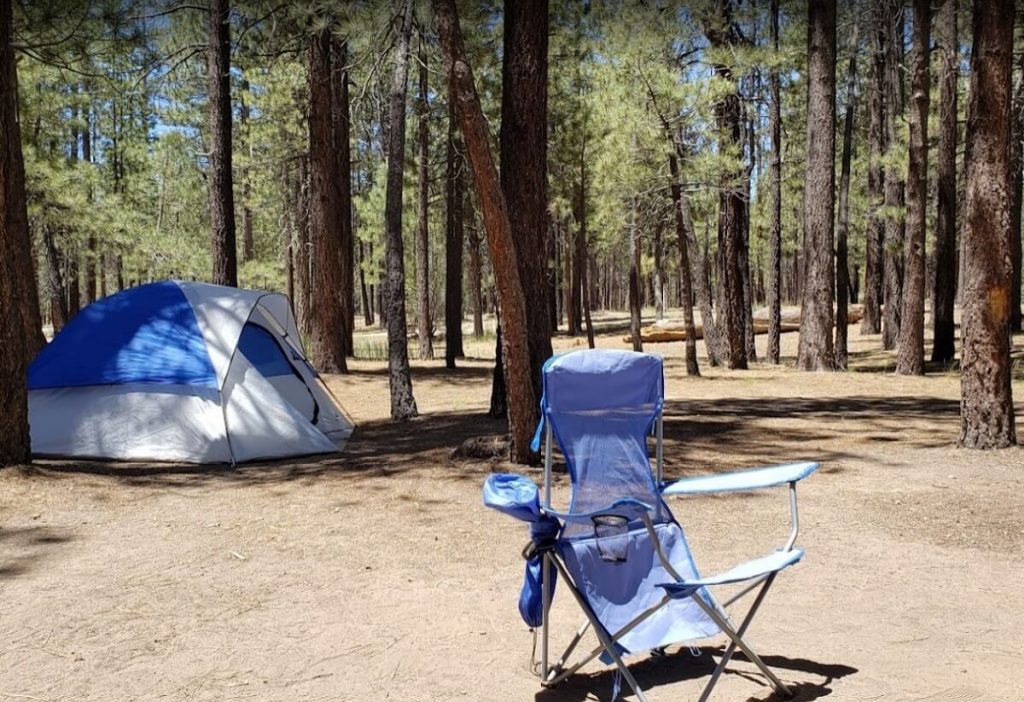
{"type": "Point", "coordinates": [377, 574]}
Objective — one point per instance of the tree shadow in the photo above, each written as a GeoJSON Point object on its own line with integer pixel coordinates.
{"type": "Point", "coordinates": [700, 435]}
{"type": "Point", "coordinates": [376, 449]}
{"type": "Point", "coordinates": [26, 547]}
{"type": "Point", "coordinates": [798, 427]}
{"type": "Point", "coordinates": [653, 672]}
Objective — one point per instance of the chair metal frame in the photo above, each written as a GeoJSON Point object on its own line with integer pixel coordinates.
{"type": "Point", "coordinates": [552, 673]}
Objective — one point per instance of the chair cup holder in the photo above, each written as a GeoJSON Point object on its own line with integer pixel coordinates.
{"type": "Point", "coordinates": [611, 534]}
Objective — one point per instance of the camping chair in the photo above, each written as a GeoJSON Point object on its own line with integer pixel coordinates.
{"type": "Point", "coordinates": [618, 549]}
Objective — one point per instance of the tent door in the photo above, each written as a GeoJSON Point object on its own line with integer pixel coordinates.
{"type": "Point", "coordinates": [272, 361]}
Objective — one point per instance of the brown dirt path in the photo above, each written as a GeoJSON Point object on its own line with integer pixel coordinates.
{"type": "Point", "coordinates": [379, 575]}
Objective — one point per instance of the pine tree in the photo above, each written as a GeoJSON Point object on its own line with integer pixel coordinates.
{"type": "Point", "coordinates": [403, 404]}
{"type": "Point", "coordinates": [910, 358]}
{"type": "Point", "coordinates": [986, 399]}
{"type": "Point", "coordinates": [816, 351]}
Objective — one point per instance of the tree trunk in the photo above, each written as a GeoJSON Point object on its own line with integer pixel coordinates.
{"type": "Point", "coordinates": [55, 281]}
{"type": "Point", "coordinates": [842, 251]}
{"type": "Point", "coordinates": [874, 247]}
{"type": "Point", "coordinates": [748, 290]}
{"type": "Point", "coordinates": [522, 409]}
{"type": "Point", "coordinates": [476, 269]}
{"type": "Point", "coordinates": [363, 294]}
{"type": "Point", "coordinates": [222, 198]}
{"type": "Point", "coordinates": [700, 275]}
{"type": "Point", "coordinates": [816, 351]}
{"type": "Point", "coordinates": [910, 357]}
{"type": "Point", "coordinates": [658, 275]}
{"type": "Point", "coordinates": [523, 158]}
{"type": "Point", "coordinates": [453, 242]}
{"type": "Point", "coordinates": [775, 242]}
{"type": "Point", "coordinates": [19, 256]}
{"type": "Point", "coordinates": [553, 269]}
{"type": "Point", "coordinates": [499, 392]}
{"type": "Point", "coordinates": [90, 270]}
{"type": "Point", "coordinates": [892, 21]}
{"type": "Point", "coordinates": [327, 349]}
{"type": "Point", "coordinates": [1017, 164]}
{"type": "Point", "coordinates": [986, 400]}
{"type": "Point", "coordinates": [101, 273]}
{"type": "Point", "coordinates": [723, 35]}
{"type": "Point", "coordinates": [342, 126]}
{"type": "Point", "coordinates": [403, 404]}
{"type": "Point", "coordinates": [582, 251]}
{"type": "Point", "coordinates": [568, 299]}
{"type": "Point", "coordinates": [424, 324]}
{"type": "Point", "coordinates": [248, 241]}
{"type": "Point", "coordinates": [14, 331]}
{"type": "Point", "coordinates": [944, 349]}
{"type": "Point", "coordinates": [301, 254]}
{"type": "Point", "coordinates": [634, 277]}
{"type": "Point", "coordinates": [685, 272]}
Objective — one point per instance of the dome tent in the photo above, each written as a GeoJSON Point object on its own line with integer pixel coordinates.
{"type": "Point", "coordinates": [175, 371]}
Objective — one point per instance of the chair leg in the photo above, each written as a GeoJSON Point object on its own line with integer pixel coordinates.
{"type": "Point", "coordinates": [738, 642]}
{"type": "Point", "coordinates": [741, 632]}
{"type": "Point", "coordinates": [603, 636]}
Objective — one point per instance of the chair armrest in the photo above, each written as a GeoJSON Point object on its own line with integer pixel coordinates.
{"type": "Point", "coordinates": [587, 517]}
{"type": "Point", "coordinates": [751, 570]}
{"type": "Point", "coordinates": [770, 476]}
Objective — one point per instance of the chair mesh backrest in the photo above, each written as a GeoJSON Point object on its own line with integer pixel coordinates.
{"type": "Point", "coordinates": [601, 405]}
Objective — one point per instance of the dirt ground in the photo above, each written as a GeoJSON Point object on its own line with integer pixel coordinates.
{"type": "Point", "coordinates": [377, 574]}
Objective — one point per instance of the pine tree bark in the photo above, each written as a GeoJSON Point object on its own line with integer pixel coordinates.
{"type": "Point", "coordinates": [22, 270]}
{"type": "Point", "coordinates": [582, 249]}
{"type": "Point", "coordinates": [568, 299]}
{"type": "Point", "coordinates": [775, 240]}
{"type": "Point", "coordinates": [522, 412]}
{"type": "Point", "coordinates": [943, 348]}
{"type": "Point", "coordinates": [363, 292]}
{"type": "Point", "coordinates": [910, 356]}
{"type": "Point", "coordinates": [222, 197]}
{"type": "Point", "coordinates": [403, 404]}
{"type": "Point", "coordinates": [327, 349]}
{"type": "Point", "coordinates": [14, 357]}
{"type": "Point", "coordinates": [1017, 164]}
{"type": "Point", "coordinates": [453, 242]}
{"type": "Point", "coordinates": [523, 158]}
{"type": "Point", "coordinates": [874, 247]}
{"type": "Point", "coordinates": [55, 280]}
{"type": "Point", "coordinates": [342, 127]}
{"type": "Point", "coordinates": [424, 324]}
{"type": "Point", "coordinates": [300, 255]}
{"type": "Point", "coordinates": [723, 35]}
{"type": "Point", "coordinates": [986, 400]}
{"type": "Point", "coordinates": [498, 408]}
{"type": "Point", "coordinates": [892, 22]}
{"type": "Point", "coordinates": [745, 265]}
{"type": "Point", "coordinates": [248, 239]}
{"type": "Point", "coordinates": [658, 274]}
{"type": "Point", "coordinates": [842, 247]}
{"type": "Point", "coordinates": [634, 277]}
{"type": "Point", "coordinates": [816, 350]}
{"type": "Point", "coordinates": [685, 271]}
{"type": "Point", "coordinates": [700, 275]}
{"type": "Point", "coordinates": [475, 270]}
{"type": "Point", "coordinates": [89, 262]}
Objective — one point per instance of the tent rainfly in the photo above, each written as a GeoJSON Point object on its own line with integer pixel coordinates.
{"type": "Point", "coordinates": [175, 371]}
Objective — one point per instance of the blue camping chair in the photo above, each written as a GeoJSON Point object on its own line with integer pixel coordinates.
{"type": "Point", "coordinates": [618, 549]}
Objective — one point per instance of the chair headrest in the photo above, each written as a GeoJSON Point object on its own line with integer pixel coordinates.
{"type": "Point", "coordinates": [597, 379]}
